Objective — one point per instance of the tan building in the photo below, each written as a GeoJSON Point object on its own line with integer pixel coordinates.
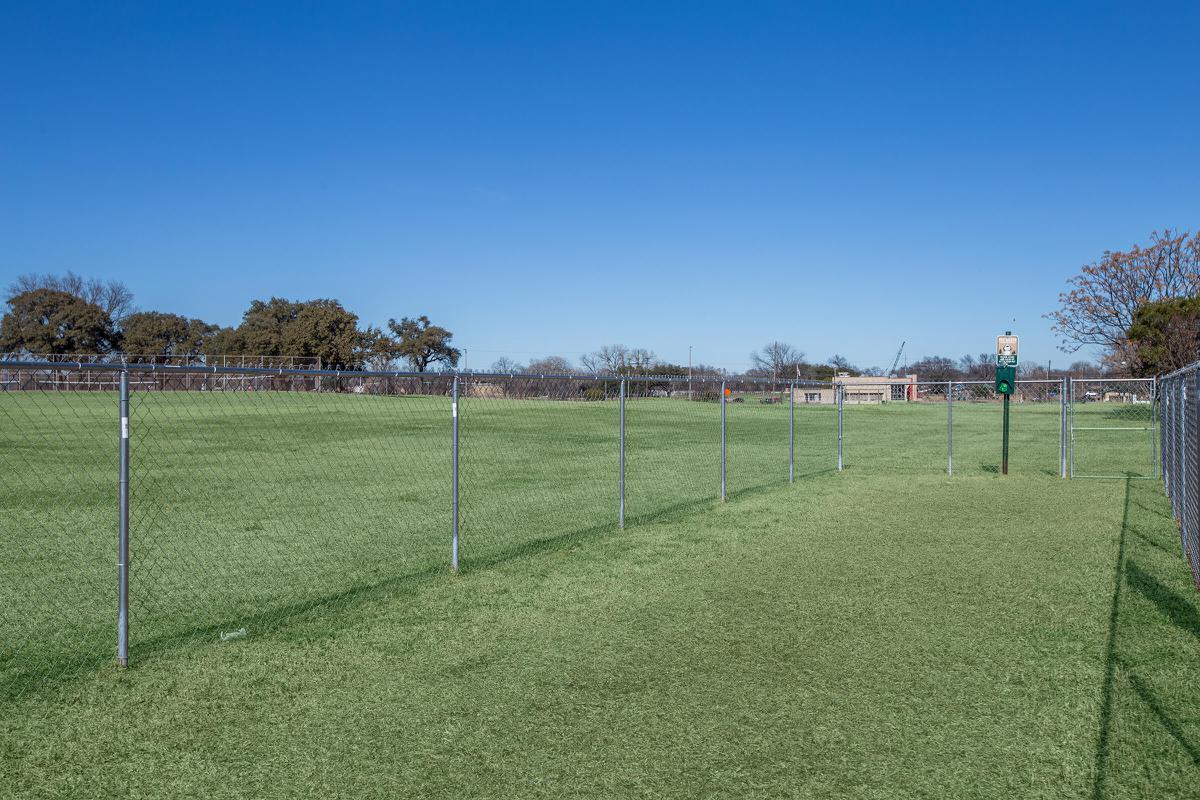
{"type": "Point", "coordinates": [861, 390]}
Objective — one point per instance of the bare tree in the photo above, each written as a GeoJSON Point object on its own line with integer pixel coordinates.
{"type": "Point", "coordinates": [641, 359]}
{"type": "Point", "coordinates": [777, 358]}
{"type": "Point", "coordinates": [112, 296]}
{"type": "Point", "coordinates": [614, 359]}
{"type": "Point", "coordinates": [977, 369]}
{"type": "Point", "coordinates": [609, 358]}
{"type": "Point", "coordinates": [841, 363]}
{"type": "Point", "coordinates": [1105, 297]}
{"type": "Point", "coordinates": [550, 365]}
{"type": "Point", "coordinates": [506, 364]}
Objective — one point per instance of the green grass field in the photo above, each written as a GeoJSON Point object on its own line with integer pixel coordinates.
{"type": "Point", "coordinates": [887, 631]}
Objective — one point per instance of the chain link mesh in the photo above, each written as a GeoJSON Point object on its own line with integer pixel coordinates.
{"type": "Point", "coordinates": [1179, 404]}
{"type": "Point", "coordinates": [538, 461]}
{"type": "Point", "coordinates": [673, 447]}
{"type": "Point", "coordinates": [257, 498]}
{"type": "Point", "coordinates": [58, 512]}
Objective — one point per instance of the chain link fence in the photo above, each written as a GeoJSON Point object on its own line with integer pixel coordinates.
{"type": "Point", "coordinates": [254, 496]}
{"type": "Point", "coordinates": [909, 426]}
{"type": "Point", "coordinates": [1179, 403]}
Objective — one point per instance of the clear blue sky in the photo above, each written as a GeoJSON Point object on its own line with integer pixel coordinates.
{"type": "Point", "coordinates": [549, 177]}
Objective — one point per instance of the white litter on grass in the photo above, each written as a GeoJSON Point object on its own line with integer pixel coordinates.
{"type": "Point", "coordinates": [240, 633]}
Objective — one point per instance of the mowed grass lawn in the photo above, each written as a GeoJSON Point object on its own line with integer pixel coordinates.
{"type": "Point", "coordinates": [888, 631]}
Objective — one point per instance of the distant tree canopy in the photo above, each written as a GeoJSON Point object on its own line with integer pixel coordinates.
{"type": "Point", "coordinates": [421, 342]}
{"type": "Point", "coordinates": [1165, 335]}
{"type": "Point", "coordinates": [1101, 306]}
{"type": "Point", "coordinates": [313, 329]}
{"type": "Point", "coordinates": [51, 321]}
{"type": "Point", "coordinates": [160, 334]}
{"type": "Point", "coordinates": [935, 368]}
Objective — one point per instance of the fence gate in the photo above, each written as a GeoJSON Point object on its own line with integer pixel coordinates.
{"type": "Point", "coordinates": [1114, 428]}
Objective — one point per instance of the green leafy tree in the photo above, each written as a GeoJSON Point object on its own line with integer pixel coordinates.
{"type": "Point", "coordinates": [224, 342]}
{"type": "Point", "coordinates": [263, 327]}
{"type": "Point", "coordinates": [1165, 335]}
{"type": "Point", "coordinates": [326, 330]}
{"type": "Point", "coordinates": [422, 343]}
{"type": "Point", "coordinates": [159, 334]}
{"type": "Point", "coordinates": [49, 321]}
{"type": "Point", "coordinates": [314, 329]}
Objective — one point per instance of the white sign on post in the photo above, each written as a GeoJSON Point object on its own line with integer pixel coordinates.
{"type": "Point", "coordinates": [1006, 351]}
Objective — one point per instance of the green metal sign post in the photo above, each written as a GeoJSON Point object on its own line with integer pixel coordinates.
{"type": "Point", "coordinates": [1004, 447]}
{"type": "Point", "coordinates": [1006, 381]}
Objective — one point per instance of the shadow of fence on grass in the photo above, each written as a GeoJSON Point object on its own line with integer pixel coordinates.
{"type": "Point", "coordinates": [54, 674]}
{"type": "Point", "coordinates": [1151, 584]}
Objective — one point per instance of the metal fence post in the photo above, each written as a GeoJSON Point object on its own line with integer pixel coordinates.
{"type": "Point", "coordinates": [792, 433]}
{"type": "Point", "coordinates": [1071, 427]}
{"type": "Point", "coordinates": [1154, 412]}
{"type": "Point", "coordinates": [454, 478]}
{"type": "Point", "coordinates": [1183, 432]}
{"type": "Point", "coordinates": [1062, 427]}
{"type": "Point", "coordinates": [949, 428]}
{"type": "Point", "coordinates": [838, 391]}
{"type": "Point", "coordinates": [722, 441]}
{"type": "Point", "coordinates": [123, 531]}
{"type": "Point", "coordinates": [622, 513]}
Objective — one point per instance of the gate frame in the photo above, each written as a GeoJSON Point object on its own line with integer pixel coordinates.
{"type": "Point", "coordinates": [1152, 429]}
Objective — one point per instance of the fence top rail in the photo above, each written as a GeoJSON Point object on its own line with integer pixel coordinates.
{"type": "Point", "coordinates": [1181, 371]}
{"type": "Point", "coordinates": [166, 369]}
{"type": "Point", "coordinates": [118, 357]}
{"type": "Point", "coordinates": [1115, 379]}
{"type": "Point", "coordinates": [866, 381]}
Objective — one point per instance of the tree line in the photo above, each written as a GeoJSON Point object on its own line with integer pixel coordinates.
{"type": "Point", "coordinates": [1140, 307]}
{"type": "Point", "coordinates": [63, 315]}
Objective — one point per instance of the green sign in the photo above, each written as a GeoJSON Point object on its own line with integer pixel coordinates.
{"type": "Point", "coordinates": [1006, 364]}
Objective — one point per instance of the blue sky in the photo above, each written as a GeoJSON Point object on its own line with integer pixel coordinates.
{"type": "Point", "coordinates": [549, 177]}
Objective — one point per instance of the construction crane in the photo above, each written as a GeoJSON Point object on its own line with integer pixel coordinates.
{"type": "Point", "coordinates": [896, 362]}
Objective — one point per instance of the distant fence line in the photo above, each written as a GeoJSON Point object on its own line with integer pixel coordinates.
{"type": "Point", "coordinates": [155, 372]}
{"type": "Point", "coordinates": [118, 358]}
{"type": "Point", "coordinates": [239, 489]}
